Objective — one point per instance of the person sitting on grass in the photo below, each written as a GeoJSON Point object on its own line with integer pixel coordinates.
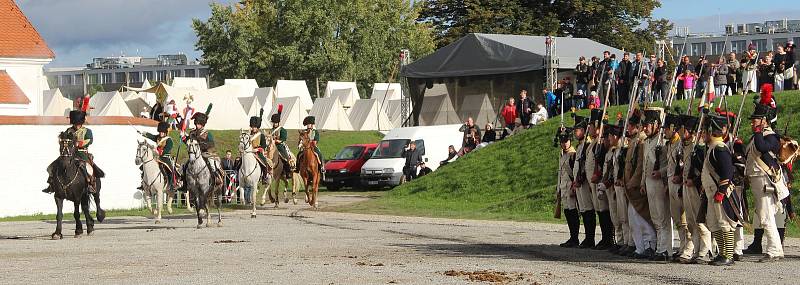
{"type": "Point", "coordinates": [423, 170]}
{"type": "Point", "coordinates": [451, 155]}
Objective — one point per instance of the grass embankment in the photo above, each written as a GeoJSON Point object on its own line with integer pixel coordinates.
{"type": "Point", "coordinates": [515, 179]}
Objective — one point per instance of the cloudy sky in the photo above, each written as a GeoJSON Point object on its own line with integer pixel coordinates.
{"type": "Point", "coordinates": [78, 30]}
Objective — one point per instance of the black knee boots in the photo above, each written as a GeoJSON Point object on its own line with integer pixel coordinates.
{"type": "Point", "coordinates": [589, 225]}
{"type": "Point", "coordinates": [782, 234]}
{"type": "Point", "coordinates": [574, 224]}
{"type": "Point", "coordinates": [755, 247]}
{"type": "Point", "coordinates": [606, 229]}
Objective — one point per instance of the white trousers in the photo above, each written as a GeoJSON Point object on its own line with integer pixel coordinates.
{"type": "Point", "coordinates": [644, 236]}
{"type": "Point", "coordinates": [658, 201]}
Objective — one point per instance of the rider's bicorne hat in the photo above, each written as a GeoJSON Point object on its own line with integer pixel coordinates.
{"type": "Point", "coordinates": [163, 127]}
{"type": "Point", "coordinates": [309, 120]}
{"type": "Point", "coordinates": [276, 118]}
{"type": "Point", "coordinates": [255, 121]}
{"type": "Point", "coordinates": [202, 118]}
{"type": "Point", "coordinates": [77, 117]}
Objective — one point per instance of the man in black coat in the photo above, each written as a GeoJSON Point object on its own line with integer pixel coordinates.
{"type": "Point", "coordinates": [624, 75]}
{"type": "Point", "coordinates": [524, 108]}
{"type": "Point", "coordinates": [413, 159]}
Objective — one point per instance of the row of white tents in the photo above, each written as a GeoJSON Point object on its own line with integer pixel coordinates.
{"type": "Point", "coordinates": [340, 108]}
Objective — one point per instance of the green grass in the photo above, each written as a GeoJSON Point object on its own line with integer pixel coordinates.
{"type": "Point", "coordinates": [330, 141]}
{"type": "Point", "coordinates": [515, 179]}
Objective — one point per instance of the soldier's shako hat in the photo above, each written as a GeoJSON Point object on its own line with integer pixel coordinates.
{"type": "Point", "coordinates": [596, 117]}
{"type": "Point", "coordinates": [77, 117]}
{"type": "Point", "coordinates": [564, 134]}
{"type": "Point", "coordinates": [581, 122]}
{"type": "Point", "coordinates": [716, 122]}
{"type": "Point", "coordinates": [689, 122]}
{"type": "Point", "coordinates": [672, 121]}
{"type": "Point", "coordinates": [309, 120]}
{"type": "Point", "coordinates": [635, 117]}
{"type": "Point", "coordinates": [652, 115]}
{"type": "Point", "coordinates": [612, 130]}
{"type": "Point", "coordinates": [163, 127]}
{"type": "Point", "coordinates": [255, 122]}
{"type": "Point", "coordinates": [760, 111]}
{"type": "Point", "coordinates": [200, 118]}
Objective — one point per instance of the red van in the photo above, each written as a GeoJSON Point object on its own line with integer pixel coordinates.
{"type": "Point", "coordinates": [344, 169]}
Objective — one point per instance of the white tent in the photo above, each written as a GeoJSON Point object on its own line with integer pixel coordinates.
{"type": "Point", "coordinates": [365, 115]}
{"type": "Point", "coordinates": [246, 83]}
{"type": "Point", "coordinates": [347, 92]}
{"type": "Point", "coordinates": [330, 115]}
{"type": "Point", "coordinates": [479, 108]}
{"type": "Point", "coordinates": [345, 96]}
{"type": "Point", "coordinates": [392, 109]}
{"type": "Point", "coordinates": [108, 104]}
{"type": "Point", "coordinates": [150, 98]}
{"type": "Point", "coordinates": [292, 116]}
{"type": "Point", "coordinates": [227, 112]}
{"type": "Point", "coordinates": [265, 96]}
{"type": "Point", "coordinates": [250, 105]}
{"type": "Point", "coordinates": [129, 95]}
{"type": "Point", "coordinates": [136, 105]}
{"type": "Point", "coordinates": [295, 88]}
{"type": "Point", "coordinates": [196, 83]}
{"type": "Point", "coordinates": [437, 110]}
{"type": "Point", "coordinates": [55, 104]}
{"type": "Point", "coordinates": [386, 91]}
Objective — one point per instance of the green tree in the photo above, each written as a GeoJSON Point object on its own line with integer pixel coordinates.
{"type": "Point", "coordinates": [94, 88]}
{"type": "Point", "coordinates": [347, 40]}
{"type": "Point", "coordinates": [624, 24]}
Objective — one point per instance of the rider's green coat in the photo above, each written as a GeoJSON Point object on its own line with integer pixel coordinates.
{"type": "Point", "coordinates": [83, 139]}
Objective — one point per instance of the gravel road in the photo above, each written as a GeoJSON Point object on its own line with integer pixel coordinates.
{"type": "Point", "coordinates": [295, 245]}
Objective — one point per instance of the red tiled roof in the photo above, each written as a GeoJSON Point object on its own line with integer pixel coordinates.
{"type": "Point", "coordinates": [18, 37]}
{"type": "Point", "coordinates": [10, 92]}
{"type": "Point", "coordinates": [59, 120]}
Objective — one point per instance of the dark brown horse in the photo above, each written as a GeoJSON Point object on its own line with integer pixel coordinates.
{"type": "Point", "coordinates": [69, 182]}
{"type": "Point", "coordinates": [309, 168]}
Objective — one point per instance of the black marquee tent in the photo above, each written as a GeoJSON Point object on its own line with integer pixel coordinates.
{"type": "Point", "coordinates": [494, 64]}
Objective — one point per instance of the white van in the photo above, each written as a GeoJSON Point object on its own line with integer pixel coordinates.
{"type": "Point", "coordinates": [385, 167]}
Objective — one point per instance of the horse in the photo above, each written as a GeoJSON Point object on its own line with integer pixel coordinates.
{"type": "Point", "coordinates": [309, 168]}
{"type": "Point", "coordinates": [154, 182]}
{"type": "Point", "coordinates": [250, 171]}
{"type": "Point", "coordinates": [279, 175]}
{"type": "Point", "coordinates": [199, 184]}
{"type": "Point", "coordinates": [69, 182]}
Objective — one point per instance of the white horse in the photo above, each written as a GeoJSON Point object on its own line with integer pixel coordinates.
{"type": "Point", "coordinates": [199, 184]}
{"type": "Point", "coordinates": [250, 171]}
{"type": "Point", "coordinates": [154, 182]}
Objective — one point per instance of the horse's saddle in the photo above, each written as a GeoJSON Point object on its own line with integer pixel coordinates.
{"type": "Point", "coordinates": [167, 170]}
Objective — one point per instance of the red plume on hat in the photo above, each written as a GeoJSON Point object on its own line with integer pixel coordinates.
{"type": "Point", "coordinates": [766, 94]}
{"type": "Point", "coordinates": [280, 109]}
{"type": "Point", "coordinates": [85, 103]}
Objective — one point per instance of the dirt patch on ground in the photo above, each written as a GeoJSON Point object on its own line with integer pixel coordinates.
{"type": "Point", "coordinates": [487, 276]}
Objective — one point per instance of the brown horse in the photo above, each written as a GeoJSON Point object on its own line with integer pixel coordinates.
{"type": "Point", "coordinates": [309, 168]}
{"type": "Point", "coordinates": [280, 174]}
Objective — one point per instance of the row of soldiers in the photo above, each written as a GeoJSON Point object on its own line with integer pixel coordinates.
{"type": "Point", "coordinates": [662, 170]}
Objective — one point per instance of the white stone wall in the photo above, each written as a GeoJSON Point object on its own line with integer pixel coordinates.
{"type": "Point", "coordinates": [29, 76]}
{"type": "Point", "coordinates": [27, 150]}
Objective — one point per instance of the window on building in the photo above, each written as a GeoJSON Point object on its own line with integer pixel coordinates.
{"type": "Point", "coordinates": [761, 45]}
{"type": "Point", "coordinates": [203, 72]}
{"type": "Point", "coordinates": [66, 80]}
{"type": "Point", "coordinates": [175, 73]}
{"type": "Point", "coordinates": [134, 77]}
{"type": "Point", "coordinates": [677, 48]}
{"type": "Point", "coordinates": [797, 40]}
{"type": "Point", "coordinates": [779, 42]}
{"type": "Point", "coordinates": [698, 49]}
{"type": "Point", "coordinates": [738, 46]}
{"type": "Point", "coordinates": [120, 77]}
{"type": "Point", "coordinates": [147, 75]}
{"type": "Point", "coordinates": [161, 75]}
{"type": "Point", "coordinates": [189, 73]}
{"type": "Point", "coordinates": [93, 79]}
{"type": "Point", "coordinates": [717, 48]}
{"type": "Point", "coordinates": [107, 78]}
{"type": "Point", "coordinates": [78, 79]}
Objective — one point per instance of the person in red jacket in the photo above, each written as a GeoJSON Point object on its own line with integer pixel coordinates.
{"type": "Point", "coordinates": [509, 113]}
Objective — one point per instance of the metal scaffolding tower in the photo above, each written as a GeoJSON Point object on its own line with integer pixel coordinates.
{"type": "Point", "coordinates": [405, 102]}
{"type": "Point", "coordinates": [551, 64]}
